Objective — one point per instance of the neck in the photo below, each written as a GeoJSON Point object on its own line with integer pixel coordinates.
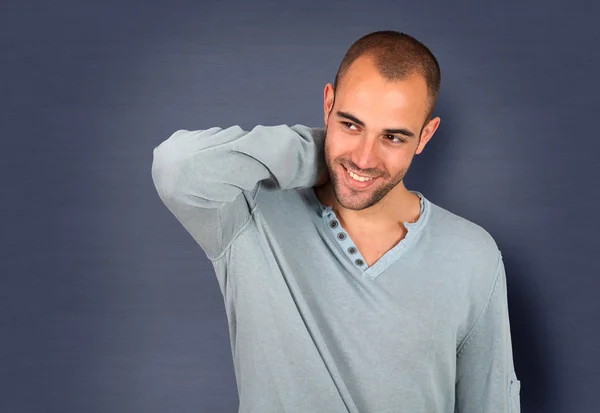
{"type": "Point", "coordinates": [398, 206]}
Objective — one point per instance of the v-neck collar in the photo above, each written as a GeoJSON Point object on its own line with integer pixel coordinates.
{"type": "Point", "coordinates": [413, 234]}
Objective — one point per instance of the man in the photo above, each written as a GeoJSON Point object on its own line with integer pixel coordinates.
{"type": "Point", "coordinates": [344, 291]}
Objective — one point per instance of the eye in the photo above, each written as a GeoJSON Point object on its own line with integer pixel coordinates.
{"type": "Point", "coordinates": [348, 125]}
{"type": "Point", "coordinates": [395, 139]}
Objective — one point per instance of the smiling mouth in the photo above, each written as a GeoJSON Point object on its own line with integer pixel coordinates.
{"type": "Point", "coordinates": [358, 178]}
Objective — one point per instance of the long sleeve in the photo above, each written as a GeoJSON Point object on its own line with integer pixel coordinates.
{"type": "Point", "coordinates": [486, 381]}
{"type": "Point", "coordinates": [208, 178]}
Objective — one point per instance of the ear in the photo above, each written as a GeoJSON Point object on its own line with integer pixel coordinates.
{"type": "Point", "coordinates": [427, 133]}
{"type": "Point", "coordinates": [328, 98]}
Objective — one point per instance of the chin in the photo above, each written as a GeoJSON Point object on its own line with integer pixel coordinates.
{"type": "Point", "coordinates": [356, 202]}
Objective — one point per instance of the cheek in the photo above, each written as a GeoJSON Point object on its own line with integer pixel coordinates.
{"type": "Point", "coordinates": [335, 145]}
{"type": "Point", "coordinates": [397, 162]}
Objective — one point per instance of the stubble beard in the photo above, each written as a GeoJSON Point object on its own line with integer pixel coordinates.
{"type": "Point", "coordinates": [357, 200]}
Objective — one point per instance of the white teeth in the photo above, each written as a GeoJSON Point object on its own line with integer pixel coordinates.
{"type": "Point", "coordinates": [358, 177]}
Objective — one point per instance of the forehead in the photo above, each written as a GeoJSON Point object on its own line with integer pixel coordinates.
{"type": "Point", "coordinates": [363, 89]}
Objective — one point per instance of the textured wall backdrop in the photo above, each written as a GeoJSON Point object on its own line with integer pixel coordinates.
{"type": "Point", "coordinates": [107, 304]}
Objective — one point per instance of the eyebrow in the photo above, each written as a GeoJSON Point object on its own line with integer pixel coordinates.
{"type": "Point", "coordinates": [400, 131]}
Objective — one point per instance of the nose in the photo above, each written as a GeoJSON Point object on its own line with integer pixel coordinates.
{"type": "Point", "coordinates": [364, 154]}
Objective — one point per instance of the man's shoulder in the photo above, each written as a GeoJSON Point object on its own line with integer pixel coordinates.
{"type": "Point", "coordinates": [460, 235]}
{"type": "Point", "coordinates": [468, 253]}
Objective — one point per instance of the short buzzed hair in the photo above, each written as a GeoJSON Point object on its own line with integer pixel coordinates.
{"type": "Point", "coordinates": [397, 56]}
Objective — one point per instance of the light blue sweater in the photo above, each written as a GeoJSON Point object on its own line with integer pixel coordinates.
{"type": "Point", "coordinates": [312, 327]}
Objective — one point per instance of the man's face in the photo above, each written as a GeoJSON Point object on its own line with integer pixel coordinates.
{"type": "Point", "coordinates": [373, 130]}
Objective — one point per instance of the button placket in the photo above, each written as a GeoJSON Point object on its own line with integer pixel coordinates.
{"type": "Point", "coordinates": [344, 240]}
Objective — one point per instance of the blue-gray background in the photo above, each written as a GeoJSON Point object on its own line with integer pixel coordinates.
{"type": "Point", "coordinates": [107, 304]}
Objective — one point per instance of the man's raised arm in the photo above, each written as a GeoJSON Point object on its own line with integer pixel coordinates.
{"type": "Point", "coordinates": [208, 178]}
